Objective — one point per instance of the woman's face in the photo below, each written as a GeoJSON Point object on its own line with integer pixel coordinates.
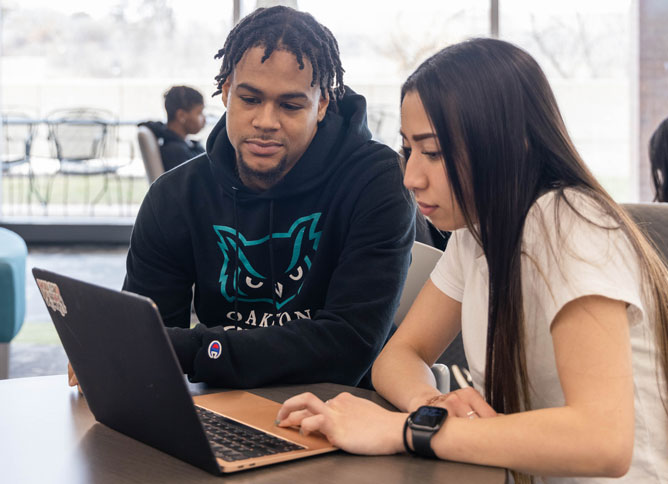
{"type": "Point", "coordinates": [425, 169]}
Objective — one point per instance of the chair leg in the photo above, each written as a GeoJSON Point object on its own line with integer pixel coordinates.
{"type": "Point", "coordinates": [129, 195]}
{"type": "Point", "coordinates": [33, 189]}
{"type": "Point", "coordinates": [4, 361]}
{"type": "Point", "coordinates": [87, 191]}
{"type": "Point", "coordinates": [10, 188]}
{"type": "Point", "coordinates": [119, 192]}
{"type": "Point", "coordinates": [44, 201]}
{"type": "Point", "coordinates": [103, 190]}
{"type": "Point", "coordinates": [66, 189]}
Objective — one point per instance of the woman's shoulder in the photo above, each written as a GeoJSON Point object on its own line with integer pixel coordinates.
{"type": "Point", "coordinates": [571, 201]}
{"type": "Point", "coordinates": [464, 243]}
{"type": "Point", "coordinates": [569, 208]}
{"type": "Point", "coordinates": [577, 224]}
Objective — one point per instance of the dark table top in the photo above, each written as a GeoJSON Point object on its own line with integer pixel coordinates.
{"type": "Point", "coordinates": [48, 435]}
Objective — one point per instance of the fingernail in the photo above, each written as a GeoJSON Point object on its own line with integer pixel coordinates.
{"type": "Point", "coordinates": [301, 431]}
{"type": "Point", "coordinates": [277, 422]}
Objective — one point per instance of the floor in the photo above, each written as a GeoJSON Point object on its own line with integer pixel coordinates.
{"type": "Point", "coordinates": [36, 350]}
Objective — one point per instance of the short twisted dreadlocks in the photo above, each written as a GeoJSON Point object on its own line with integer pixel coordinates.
{"type": "Point", "coordinates": [283, 28]}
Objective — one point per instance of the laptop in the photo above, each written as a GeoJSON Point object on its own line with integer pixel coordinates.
{"type": "Point", "coordinates": [128, 371]}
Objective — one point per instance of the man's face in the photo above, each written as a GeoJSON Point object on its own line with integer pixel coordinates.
{"type": "Point", "coordinates": [192, 120]}
{"type": "Point", "coordinates": [272, 114]}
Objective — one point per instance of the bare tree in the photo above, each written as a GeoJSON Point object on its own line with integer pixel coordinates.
{"type": "Point", "coordinates": [576, 44]}
{"type": "Point", "coordinates": [407, 48]}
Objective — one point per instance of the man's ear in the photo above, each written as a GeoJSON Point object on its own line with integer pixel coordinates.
{"type": "Point", "coordinates": [323, 103]}
{"type": "Point", "coordinates": [225, 91]}
{"type": "Point", "coordinates": [180, 115]}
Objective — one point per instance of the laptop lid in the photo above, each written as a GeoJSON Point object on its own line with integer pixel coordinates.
{"type": "Point", "coordinates": [132, 380]}
{"type": "Point", "coordinates": [119, 349]}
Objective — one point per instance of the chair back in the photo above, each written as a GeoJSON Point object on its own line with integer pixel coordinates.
{"type": "Point", "coordinates": [80, 135]}
{"type": "Point", "coordinates": [18, 130]}
{"type": "Point", "coordinates": [423, 259]}
{"type": "Point", "coordinates": [150, 153]}
{"type": "Point", "coordinates": [652, 219]}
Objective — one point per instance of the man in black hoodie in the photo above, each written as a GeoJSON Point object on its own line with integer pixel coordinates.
{"type": "Point", "coordinates": [294, 228]}
{"type": "Point", "coordinates": [184, 106]}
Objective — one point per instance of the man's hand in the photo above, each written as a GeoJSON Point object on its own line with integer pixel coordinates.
{"type": "Point", "coordinates": [72, 378]}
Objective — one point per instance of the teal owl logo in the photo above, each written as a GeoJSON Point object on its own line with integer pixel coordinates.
{"type": "Point", "coordinates": [292, 251]}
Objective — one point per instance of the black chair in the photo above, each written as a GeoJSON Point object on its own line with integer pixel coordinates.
{"type": "Point", "coordinates": [81, 140]}
{"type": "Point", "coordinates": [18, 133]}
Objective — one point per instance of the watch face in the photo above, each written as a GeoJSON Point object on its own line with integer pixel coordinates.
{"type": "Point", "coordinates": [429, 416]}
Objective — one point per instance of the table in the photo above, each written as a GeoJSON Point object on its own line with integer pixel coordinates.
{"type": "Point", "coordinates": [48, 435]}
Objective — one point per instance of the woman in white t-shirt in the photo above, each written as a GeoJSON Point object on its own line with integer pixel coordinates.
{"type": "Point", "coordinates": [562, 303]}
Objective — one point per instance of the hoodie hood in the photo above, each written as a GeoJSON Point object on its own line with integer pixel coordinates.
{"type": "Point", "coordinates": [161, 131]}
{"type": "Point", "coordinates": [337, 137]}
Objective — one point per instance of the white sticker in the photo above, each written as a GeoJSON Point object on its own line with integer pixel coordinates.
{"type": "Point", "coordinates": [215, 349]}
{"type": "Point", "coordinates": [51, 294]}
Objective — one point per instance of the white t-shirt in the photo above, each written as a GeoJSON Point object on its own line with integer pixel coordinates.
{"type": "Point", "coordinates": [558, 266]}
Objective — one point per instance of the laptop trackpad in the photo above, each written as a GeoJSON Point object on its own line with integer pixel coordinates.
{"type": "Point", "coordinates": [258, 412]}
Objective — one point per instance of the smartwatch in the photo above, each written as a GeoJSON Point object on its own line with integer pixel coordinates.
{"type": "Point", "coordinates": [424, 423]}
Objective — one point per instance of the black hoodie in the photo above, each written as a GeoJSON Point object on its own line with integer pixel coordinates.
{"type": "Point", "coordinates": [313, 266]}
{"type": "Point", "coordinates": [174, 150]}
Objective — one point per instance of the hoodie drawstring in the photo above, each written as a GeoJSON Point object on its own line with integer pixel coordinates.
{"type": "Point", "coordinates": [271, 258]}
{"type": "Point", "coordinates": [235, 190]}
{"type": "Point", "coordinates": [236, 251]}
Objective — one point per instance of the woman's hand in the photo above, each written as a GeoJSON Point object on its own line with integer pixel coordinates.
{"type": "Point", "coordinates": [463, 403]}
{"type": "Point", "coordinates": [350, 423]}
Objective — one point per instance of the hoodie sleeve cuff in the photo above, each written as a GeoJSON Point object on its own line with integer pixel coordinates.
{"type": "Point", "coordinates": [186, 344]}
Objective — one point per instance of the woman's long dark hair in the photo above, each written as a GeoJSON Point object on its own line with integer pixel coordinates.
{"type": "Point", "coordinates": [658, 158]}
{"type": "Point", "coordinates": [504, 144]}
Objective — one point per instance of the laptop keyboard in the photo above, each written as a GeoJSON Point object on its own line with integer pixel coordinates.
{"type": "Point", "coordinates": [231, 440]}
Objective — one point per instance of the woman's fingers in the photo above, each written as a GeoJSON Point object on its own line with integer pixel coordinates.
{"type": "Point", "coordinates": [466, 403]}
{"type": "Point", "coordinates": [476, 402]}
{"type": "Point", "coordinates": [312, 424]}
{"type": "Point", "coordinates": [295, 418]}
{"type": "Point", "coordinates": [457, 407]}
{"type": "Point", "coordinates": [293, 410]}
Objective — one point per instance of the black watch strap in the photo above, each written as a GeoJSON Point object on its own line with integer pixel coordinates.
{"type": "Point", "coordinates": [422, 442]}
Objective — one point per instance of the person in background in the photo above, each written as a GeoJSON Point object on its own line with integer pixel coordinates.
{"type": "Point", "coordinates": [293, 229]}
{"type": "Point", "coordinates": [562, 301]}
{"type": "Point", "coordinates": [184, 106]}
{"type": "Point", "coordinates": [658, 158]}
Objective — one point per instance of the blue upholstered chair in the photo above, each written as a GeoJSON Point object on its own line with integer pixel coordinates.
{"type": "Point", "coordinates": [13, 252]}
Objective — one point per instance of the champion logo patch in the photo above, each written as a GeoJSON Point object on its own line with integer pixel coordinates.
{"type": "Point", "coordinates": [215, 349]}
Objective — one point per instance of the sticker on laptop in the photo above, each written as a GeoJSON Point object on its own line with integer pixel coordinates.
{"type": "Point", "coordinates": [51, 294]}
{"type": "Point", "coordinates": [215, 349]}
